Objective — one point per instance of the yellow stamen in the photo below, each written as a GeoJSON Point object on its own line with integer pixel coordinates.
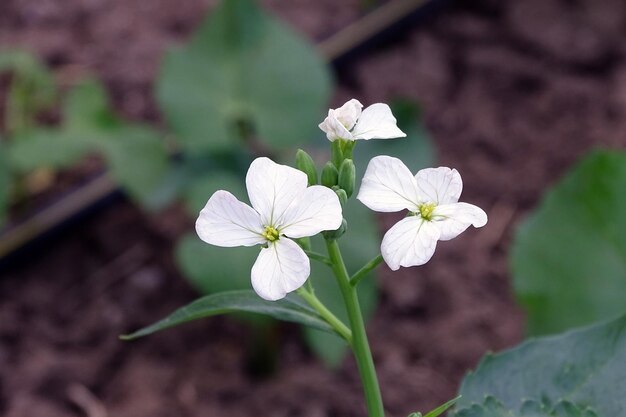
{"type": "Point", "coordinates": [426, 210]}
{"type": "Point", "coordinates": [270, 233]}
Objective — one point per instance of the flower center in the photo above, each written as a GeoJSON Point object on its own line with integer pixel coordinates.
{"type": "Point", "coordinates": [270, 233]}
{"type": "Point", "coordinates": [426, 210]}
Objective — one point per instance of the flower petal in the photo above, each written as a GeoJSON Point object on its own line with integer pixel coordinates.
{"type": "Point", "coordinates": [226, 221]}
{"type": "Point", "coordinates": [349, 113]}
{"type": "Point", "coordinates": [315, 210]}
{"type": "Point", "coordinates": [439, 185]}
{"type": "Point", "coordinates": [272, 188]}
{"type": "Point", "coordinates": [377, 122]}
{"type": "Point", "coordinates": [409, 242]}
{"type": "Point", "coordinates": [282, 267]}
{"type": "Point", "coordinates": [453, 219]}
{"type": "Point", "coordinates": [333, 128]}
{"type": "Point", "coordinates": [388, 186]}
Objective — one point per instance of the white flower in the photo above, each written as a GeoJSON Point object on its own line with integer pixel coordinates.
{"type": "Point", "coordinates": [349, 123]}
{"type": "Point", "coordinates": [282, 205]}
{"type": "Point", "coordinates": [431, 197]}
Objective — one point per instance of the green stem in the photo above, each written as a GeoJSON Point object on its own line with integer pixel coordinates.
{"type": "Point", "coordinates": [330, 318]}
{"type": "Point", "coordinates": [361, 273]}
{"type": "Point", "coordinates": [360, 345]}
{"type": "Point", "coordinates": [318, 257]}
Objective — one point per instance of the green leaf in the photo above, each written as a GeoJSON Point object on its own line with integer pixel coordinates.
{"type": "Point", "coordinates": [213, 269]}
{"type": "Point", "coordinates": [585, 367]}
{"type": "Point", "coordinates": [493, 408]}
{"type": "Point", "coordinates": [416, 150]}
{"type": "Point", "coordinates": [42, 147]}
{"type": "Point", "coordinates": [569, 256]}
{"type": "Point", "coordinates": [32, 89]}
{"type": "Point", "coordinates": [86, 109]}
{"type": "Point", "coordinates": [203, 187]}
{"type": "Point", "coordinates": [138, 161]}
{"type": "Point", "coordinates": [358, 245]}
{"type": "Point", "coordinates": [243, 67]}
{"type": "Point", "coordinates": [288, 309]}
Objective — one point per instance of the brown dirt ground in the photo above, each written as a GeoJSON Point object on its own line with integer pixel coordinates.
{"type": "Point", "coordinates": [513, 93]}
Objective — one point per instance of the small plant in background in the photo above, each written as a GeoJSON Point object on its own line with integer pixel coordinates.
{"type": "Point", "coordinates": [33, 151]}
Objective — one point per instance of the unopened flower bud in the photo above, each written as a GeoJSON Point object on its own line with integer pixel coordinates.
{"type": "Point", "coordinates": [305, 163]}
{"type": "Point", "coordinates": [343, 197]}
{"type": "Point", "coordinates": [330, 175]}
{"type": "Point", "coordinates": [347, 176]}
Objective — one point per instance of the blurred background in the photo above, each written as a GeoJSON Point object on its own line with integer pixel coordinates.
{"type": "Point", "coordinates": [119, 118]}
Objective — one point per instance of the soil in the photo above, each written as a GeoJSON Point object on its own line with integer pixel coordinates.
{"type": "Point", "coordinates": [513, 94]}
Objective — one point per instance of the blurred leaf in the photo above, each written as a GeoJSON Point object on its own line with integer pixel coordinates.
{"type": "Point", "coordinates": [212, 269]}
{"type": "Point", "coordinates": [586, 367]}
{"type": "Point", "coordinates": [49, 148]}
{"type": "Point", "coordinates": [31, 91]}
{"type": "Point", "coordinates": [86, 109]}
{"type": "Point", "coordinates": [416, 150]}
{"type": "Point", "coordinates": [202, 188]}
{"type": "Point", "coordinates": [137, 160]}
{"type": "Point", "coordinates": [243, 66]}
{"type": "Point", "coordinates": [569, 256]}
{"type": "Point", "coordinates": [288, 309]}
{"type": "Point", "coordinates": [358, 246]}
{"type": "Point", "coordinates": [493, 408]}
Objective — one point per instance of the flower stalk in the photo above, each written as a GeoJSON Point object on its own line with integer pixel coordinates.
{"type": "Point", "coordinates": [360, 345]}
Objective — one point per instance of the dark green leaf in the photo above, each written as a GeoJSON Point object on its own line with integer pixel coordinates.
{"type": "Point", "coordinates": [201, 189]}
{"type": "Point", "coordinates": [585, 367]}
{"type": "Point", "coordinates": [493, 408]}
{"type": "Point", "coordinates": [50, 148]}
{"type": "Point", "coordinates": [243, 68]}
{"type": "Point", "coordinates": [289, 309]}
{"type": "Point", "coordinates": [569, 256]}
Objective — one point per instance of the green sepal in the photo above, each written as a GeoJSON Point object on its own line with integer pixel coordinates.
{"type": "Point", "coordinates": [336, 153]}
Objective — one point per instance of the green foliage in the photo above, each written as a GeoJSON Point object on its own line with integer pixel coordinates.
{"type": "Point", "coordinates": [243, 73]}
{"type": "Point", "coordinates": [134, 152]}
{"type": "Point", "coordinates": [290, 308]}
{"type": "Point", "coordinates": [358, 245]}
{"type": "Point", "coordinates": [31, 91]}
{"type": "Point", "coordinates": [213, 269]}
{"type": "Point", "coordinates": [585, 367]}
{"type": "Point", "coordinates": [569, 256]}
{"type": "Point", "coordinates": [493, 408]}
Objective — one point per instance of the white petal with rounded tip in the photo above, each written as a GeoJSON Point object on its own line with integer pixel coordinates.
{"type": "Point", "coordinates": [272, 188]}
{"type": "Point", "coordinates": [453, 219]}
{"type": "Point", "coordinates": [410, 242]}
{"type": "Point", "coordinates": [439, 185]}
{"type": "Point", "coordinates": [349, 113]}
{"type": "Point", "coordinates": [226, 221]}
{"type": "Point", "coordinates": [282, 267]}
{"type": "Point", "coordinates": [388, 186]}
{"type": "Point", "coordinates": [334, 129]}
{"type": "Point", "coordinates": [377, 122]}
{"type": "Point", "coordinates": [313, 211]}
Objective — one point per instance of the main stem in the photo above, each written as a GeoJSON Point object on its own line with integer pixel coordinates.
{"type": "Point", "coordinates": [360, 345]}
